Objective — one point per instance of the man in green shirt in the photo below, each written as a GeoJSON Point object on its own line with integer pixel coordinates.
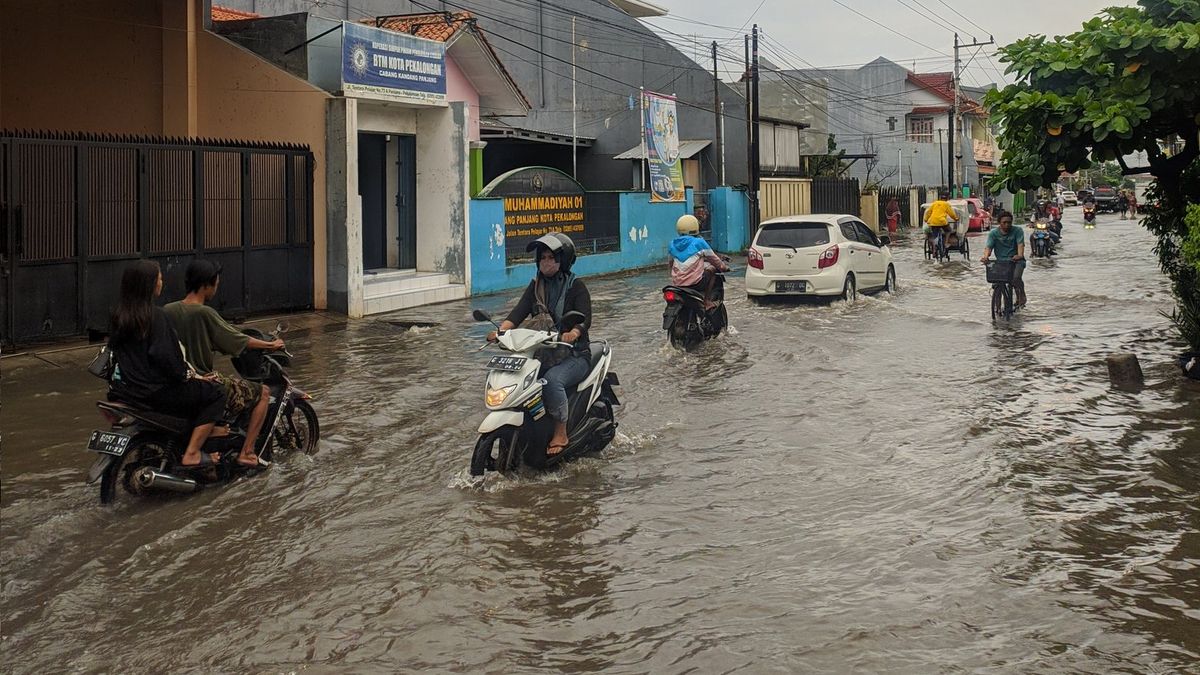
{"type": "Point", "coordinates": [203, 333]}
{"type": "Point", "coordinates": [1008, 241]}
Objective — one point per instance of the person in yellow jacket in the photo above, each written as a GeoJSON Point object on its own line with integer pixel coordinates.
{"type": "Point", "coordinates": [938, 219]}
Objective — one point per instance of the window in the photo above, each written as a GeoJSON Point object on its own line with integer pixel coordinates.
{"type": "Point", "coordinates": [848, 230]}
{"type": "Point", "coordinates": [865, 235]}
{"type": "Point", "coordinates": [793, 235]}
{"type": "Point", "coordinates": [920, 129]}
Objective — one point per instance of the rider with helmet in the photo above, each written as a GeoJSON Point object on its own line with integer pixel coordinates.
{"type": "Point", "coordinates": [553, 292]}
{"type": "Point", "coordinates": [693, 262]}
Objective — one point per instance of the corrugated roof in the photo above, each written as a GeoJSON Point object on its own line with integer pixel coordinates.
{"type": "Point", "coordinates": [942, 85]}
{"type": "Point", "coordinates": [220, 13]}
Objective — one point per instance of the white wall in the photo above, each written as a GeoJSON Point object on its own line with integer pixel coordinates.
{"type": "Point", "coordinates": [443, 189]}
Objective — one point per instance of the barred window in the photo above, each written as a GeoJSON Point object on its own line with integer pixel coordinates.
{"type": "Point", "coordinates": [920, 129]}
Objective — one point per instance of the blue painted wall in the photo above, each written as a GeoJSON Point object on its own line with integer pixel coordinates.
{"type": "Point", "coordinates": [646, 229]}
{"type": "Point", "coordinates": [729, 213]}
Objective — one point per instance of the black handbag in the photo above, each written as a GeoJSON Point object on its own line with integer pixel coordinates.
{"type": "Point", "coordinates": [103, 365]}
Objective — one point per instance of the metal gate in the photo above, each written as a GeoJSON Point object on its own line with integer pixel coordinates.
{"type": "Point", "coordinates": [835, 195]}
{"type": "Point", "coordinates": [76, 209]}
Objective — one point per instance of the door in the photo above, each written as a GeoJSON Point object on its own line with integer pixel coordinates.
{"type": "Point", "coordinates": [372, 176]}
{"type": "Point", "coordinates": [876, 266]}
{"type": "Point", "coordinates": [6, 248]}
{"type": "Point", "coordinates": [406, 201]}
{"type": "Point", "coordinates": [856, 254]}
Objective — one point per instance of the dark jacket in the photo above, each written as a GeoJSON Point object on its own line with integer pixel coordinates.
{"type": "Point", "coordinates": [578, 300]}
{"type": "Point", "coordinates": [145, 366]}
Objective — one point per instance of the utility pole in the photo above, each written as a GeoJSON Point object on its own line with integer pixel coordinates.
{"type": "Point", "coordinates": [750, 159]}
{"type": "Point", "coordinates": [574, 128]}
{"type": "Point", "coordinates": [717, 118]}
{"type": "Point", "coordinates": [956, 178]}
{"type": "Point", "coordinates": [755, 213]}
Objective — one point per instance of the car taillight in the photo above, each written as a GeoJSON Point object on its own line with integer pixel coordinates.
{"type": "Point", "coordinates": [670, 296]}
{"type": "Point", "coordinates": [754, 259]}
{"type": "Point", "coordinates": [829, 257]}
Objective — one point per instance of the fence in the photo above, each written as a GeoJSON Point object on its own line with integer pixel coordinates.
{"type": "Point", "coordinates": [835, 195]}
{"type": "Point", "coordinates": [75, 210]}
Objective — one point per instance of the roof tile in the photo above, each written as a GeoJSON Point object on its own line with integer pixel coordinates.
{"type": "Point", "coordinates": [220, 13]}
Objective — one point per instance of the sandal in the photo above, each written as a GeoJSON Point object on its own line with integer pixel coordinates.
{"type": "Point", "coordinates": [206, 459]}
{"type": "Point", "coordinates": [552, 452]}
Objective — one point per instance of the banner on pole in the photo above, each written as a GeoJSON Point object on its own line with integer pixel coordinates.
{"type": "Point", "coordinates": [660, 137]}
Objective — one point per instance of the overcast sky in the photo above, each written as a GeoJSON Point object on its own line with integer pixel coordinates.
{"type": "Point", "coordinates": [826, 33]}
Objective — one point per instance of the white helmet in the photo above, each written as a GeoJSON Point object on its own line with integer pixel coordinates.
{"type": "Point", "coordinates": [687, 224]}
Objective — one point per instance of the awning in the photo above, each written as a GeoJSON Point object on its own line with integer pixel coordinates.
{"type": "Point", "coordinates": [489, 131]}
{"type": "Point", "coordinates": [687, 150]}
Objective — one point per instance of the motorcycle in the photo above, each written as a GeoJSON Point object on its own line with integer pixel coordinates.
{"type": "Point", "coordinates": [1089, 216]}
{"type": "Point", "coordinates": [517, 430]}
{"type": "Point", "coordinates": [685, 318]}
{"type": "Point", "coordinates": [140, 454]}
{"type": "Point", "coordinates": [1042, 240]}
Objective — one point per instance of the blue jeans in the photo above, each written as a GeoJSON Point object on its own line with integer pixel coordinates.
{"type": "Point", "coordinates": [566, 374]}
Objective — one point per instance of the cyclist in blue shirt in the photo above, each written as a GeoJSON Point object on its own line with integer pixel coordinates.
{"type": "Point", "coordinates": [1008, 241]}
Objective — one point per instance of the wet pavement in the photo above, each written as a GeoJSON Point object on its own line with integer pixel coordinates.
{"type": "Point", "coordinates": [899, 485]}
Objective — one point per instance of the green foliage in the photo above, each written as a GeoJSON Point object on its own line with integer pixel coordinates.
{"type": "Point", "coordinates": [1127, 79]}
{"type": "Point", "coordinates": [1191, 240]}
{"type": "Point", "coordinates": [831, 164]}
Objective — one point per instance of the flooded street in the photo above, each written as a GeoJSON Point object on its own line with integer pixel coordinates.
{"type": "Point", "coordinates": [896, 485]}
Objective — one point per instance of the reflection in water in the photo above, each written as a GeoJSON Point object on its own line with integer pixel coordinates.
{"type": "Point", "coordinates": [898, 484]}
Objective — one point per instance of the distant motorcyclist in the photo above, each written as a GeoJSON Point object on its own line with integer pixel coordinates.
{"type": "Point", "coordinates": [939, 216]}
{"type": "Point", "coordinates": [693, 262]}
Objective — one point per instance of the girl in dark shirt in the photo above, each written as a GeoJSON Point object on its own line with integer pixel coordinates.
{"type": "Point", "coordinates": [554, 291]}
{"type": "Point", "coordinates": [150, 370]}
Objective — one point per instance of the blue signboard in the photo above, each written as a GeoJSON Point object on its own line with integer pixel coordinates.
{"type": "Point", "coordinates": [387, 64]}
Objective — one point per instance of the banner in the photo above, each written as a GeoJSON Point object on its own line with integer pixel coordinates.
{"type": "Point", "coordinates": [392, 65]}
{"type": "Point", "coordinates": [660, 137]}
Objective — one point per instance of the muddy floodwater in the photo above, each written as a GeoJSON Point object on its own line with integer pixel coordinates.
{"type": "Point", "coordinates": [897, 485]}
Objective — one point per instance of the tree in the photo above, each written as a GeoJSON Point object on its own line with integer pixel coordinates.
{"type": "Point", "coordinates": [871, 162]}
{"type": "Point", "coordinates": [830, 164]}
{"type": "Point", "coordinates": [1124, 83]}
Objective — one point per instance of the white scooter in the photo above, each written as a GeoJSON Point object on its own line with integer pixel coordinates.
{"type": "Point", "coordinates": [518, 428]}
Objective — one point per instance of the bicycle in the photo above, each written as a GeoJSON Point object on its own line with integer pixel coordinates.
{"type": "Point", "coordinates": [936, 248]}
{"type": "Point", "coordinates": [999, 274]}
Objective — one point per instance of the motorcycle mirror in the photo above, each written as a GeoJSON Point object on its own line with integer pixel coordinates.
{"type": "Point", "coordinates": [480, 315]}
{"type": "Point", "coordinates": [571, 319]}
{"type": "Point", "coordinates": [282, 327]}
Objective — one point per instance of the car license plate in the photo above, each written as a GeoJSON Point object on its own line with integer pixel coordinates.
{"type": "Point", "coordinates": [789, 286]}
{"type": "Point", "coordinates": [109, 443]}
{"type": "Point", "coordinates": [507, 363]}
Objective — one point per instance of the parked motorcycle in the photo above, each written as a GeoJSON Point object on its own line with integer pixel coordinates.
{"type": "Point", "coordinates": [1089, 216]}
{"type": "Point", "coordinates": [687, 322]}
{"type": "Point", "coordinates": [1041, 240]}
{"type": "Point", "coordinates": [140, 454]}
{"type": "Point", "coordinates": [517, 430]}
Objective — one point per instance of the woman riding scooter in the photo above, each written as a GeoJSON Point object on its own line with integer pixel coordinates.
{"type": "Point", "coordinates": [554, 291]}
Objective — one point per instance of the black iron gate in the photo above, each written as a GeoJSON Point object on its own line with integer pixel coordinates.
{"type": "Point", "coordinates": [75, 210]}
{"type": "Point", "coordinates": [835, 195]}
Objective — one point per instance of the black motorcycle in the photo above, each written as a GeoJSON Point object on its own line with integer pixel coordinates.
{"type": "Point", "coordinates": [141, 452]}
{"type": "Point", "coordinates": [687, 322]}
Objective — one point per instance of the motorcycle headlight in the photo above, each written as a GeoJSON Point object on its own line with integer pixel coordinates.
{"type": "Point", "coordinates": [496, 396]}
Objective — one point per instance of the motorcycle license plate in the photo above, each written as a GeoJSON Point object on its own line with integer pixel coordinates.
{"type": "Point", "coordinates": [789, 286]}
{"type": "Point", "coordinates": [109, 443]}
{"type": "Point", "coordinates": [507, 363]}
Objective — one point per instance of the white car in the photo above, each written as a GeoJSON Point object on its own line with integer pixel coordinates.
{"type": "Point", "coordinates": [1069, 198]}
{"type": "Point", "coordinates": [818, 255]}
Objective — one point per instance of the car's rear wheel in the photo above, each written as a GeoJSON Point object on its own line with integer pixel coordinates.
{"type": "Point", "coordinates": [889, 282]}
{"type": "Point", "coordinates": [849, 289]}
